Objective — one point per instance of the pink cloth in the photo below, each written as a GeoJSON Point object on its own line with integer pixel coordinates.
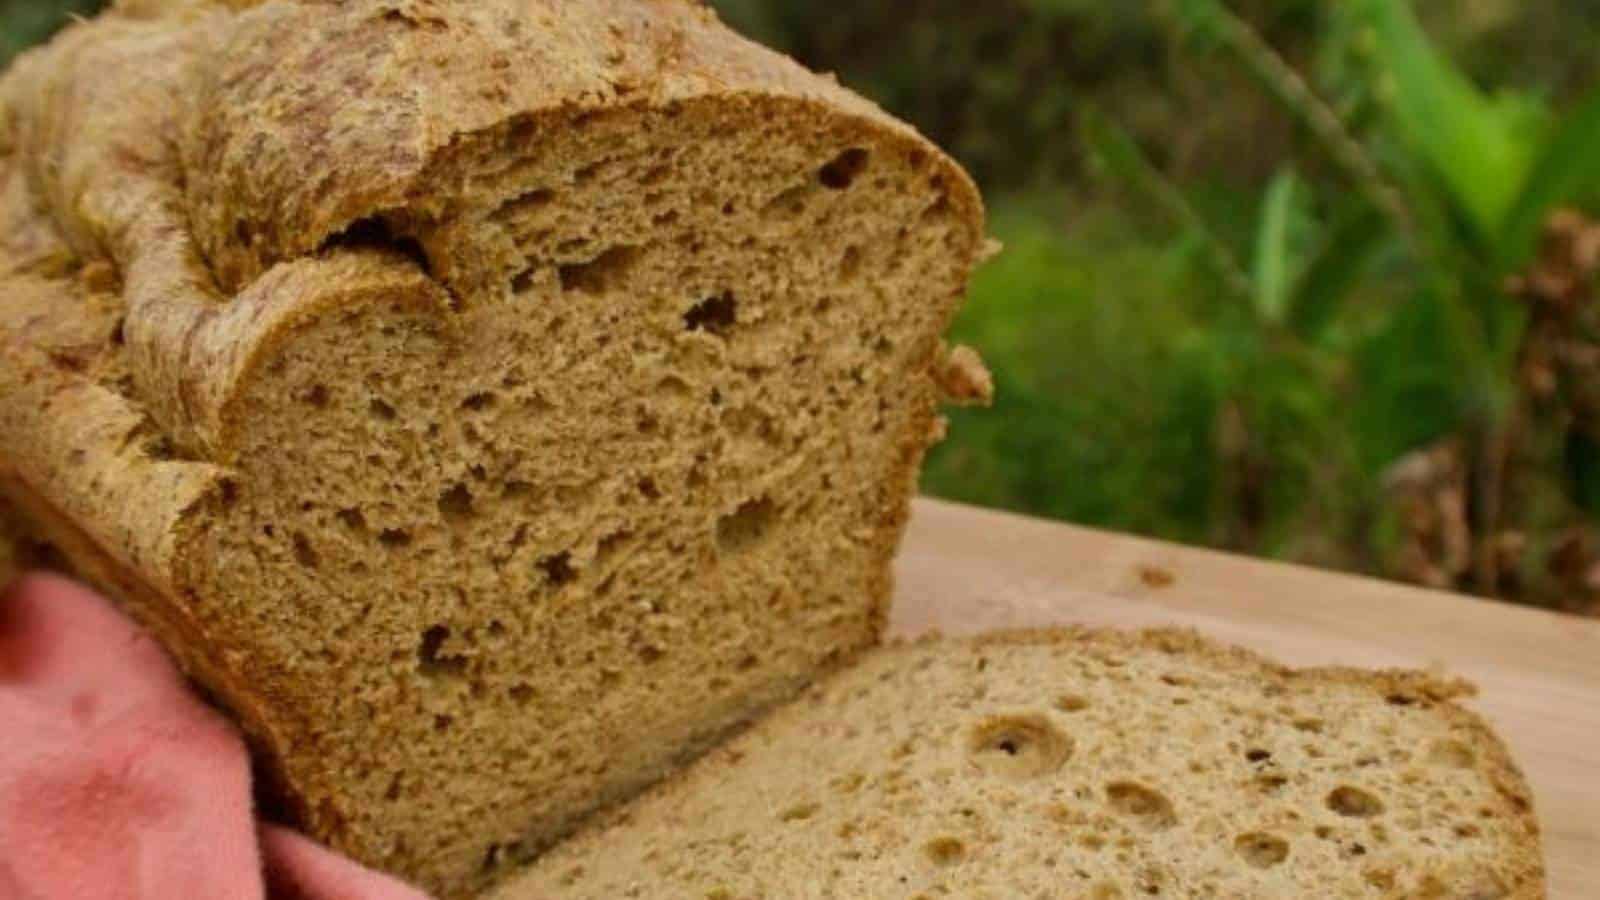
{"type": "Point", "coordinates": [117, 784]}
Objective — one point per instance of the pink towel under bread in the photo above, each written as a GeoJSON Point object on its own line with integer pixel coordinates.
{"type": "Point", "coordinates": [117, 784]}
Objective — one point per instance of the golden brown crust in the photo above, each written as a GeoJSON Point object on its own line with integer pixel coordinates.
{"type": "Point", "coordinates": [280, 96]}
{"type": "Point", "coordinates": [197, 177]}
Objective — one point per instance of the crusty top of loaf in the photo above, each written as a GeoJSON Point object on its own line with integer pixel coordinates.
{"type": "Point", "coordinates": [368, 95]}
{"type": "Point", "coordinates": [1078, 763]}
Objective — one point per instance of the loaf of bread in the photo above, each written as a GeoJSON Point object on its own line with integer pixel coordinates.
{"type": "Point", "coordinates": [490, 402]}
{"type": "Point", "coordinates": [1080, 764]}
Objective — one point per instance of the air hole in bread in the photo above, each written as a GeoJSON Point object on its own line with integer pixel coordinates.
{"type": "Point", "coordinates": [1262, 850]}
{"type": "Point", "coordinates": [1354, 802]}
{"type": "Point", "coordinates": [1019, 747]}
{"type": "Point", "coordinates": [747, 526]}
{"type": "Point", "coordinates": [558, 569]}
{"type": "Point", "coordinates": [1309, 726]}
{"type": "Point", "coordinates": [850, 266]}
{"type": "Point", "coordinates": [1258, 756]}
{"type": "Point", "coordinates": [523, 281]}
{"type": "Point", "coordinates": [455, 505]}
{"type": "Point", "coordinates": [1072, 703]}
{"type": "Point", "coordinates": [521, 694]}
{"type": "Point", "coordinates": [516, 490]}
{"type": "Point", "coordinates": [945, 851]}
{"type": "Point", "coordinates": [380, 410]}
{"type": "Point", "coordinates": [394, 538]}
{"type": "Point", "coordinates": [1401, 700]}
{"type": "Point", "coordinates": [1382, 879]}
{"type": "Point", "coordinates": [526, 204]}
{"type": "Point", "coordinates": [604, 272]}
{"type": "Point", "coordinates": [432, 660]}
{"type": "Point", "coordinates": [491, 858]}
{"type": "Point", "coordinates": [305, 554]}
{"type": "Point", "coordinates": [353, 520]}
{"type": "Point", "coordinates": [799, 812]}
{"type": "Point", "coordinates": [375, 232]}
{"type": "Point", "coordinates": [649, 489]}
{"type": "Point", "coordinates": [592, 170]}
{"type": "Point", "coordinates": [611, 544]}
{"type": "Point", "coordinates": [791, 203]}
{"type": "Point", "coordinates": [478, 402]}
{"type": "Point", "coordinates": [842, 172]}
{"type": "Point", "coordinates": [715, 315]}
{"type": "Point", "coordinates": [317, 396]}
{"type": "Point", "coordinates": [1148, 806]}
{"type": "Point", "coordinates": [1452, 754]}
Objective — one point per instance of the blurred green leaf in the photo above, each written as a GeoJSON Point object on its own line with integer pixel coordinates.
{"type": "Point", "coordinates": [1274, 271]}
{"type": "Point", "coordinates": [1569, 166]}
{"type": "Point", "coordinates": [1411, 393]}
{"type": "Point", "coordinates": [1480, 149]}
{"type": "Point", "coordinates": [1335, 272]}
{"type": "Point", "coordinates": [1115, 153]}
{"type": "Point", "coordinates": [1201, 20]}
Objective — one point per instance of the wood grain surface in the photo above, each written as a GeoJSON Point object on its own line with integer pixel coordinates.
{"type": "Point", "coordinates": [966, 570]}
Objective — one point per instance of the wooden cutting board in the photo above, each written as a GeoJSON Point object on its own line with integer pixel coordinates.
{"type": "Point", "coordinates": [966, 570]}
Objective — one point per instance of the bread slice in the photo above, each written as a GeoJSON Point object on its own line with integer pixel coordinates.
{"type": "Point", "coordinates": [492, 402]}
{"type": "Point", "coordinates": [1080, 764]}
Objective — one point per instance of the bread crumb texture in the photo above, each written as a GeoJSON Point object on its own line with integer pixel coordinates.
{"type": "Point", "coordinates": [1081, 764]}
{"type": "Point", "coordinates": [491, 403]}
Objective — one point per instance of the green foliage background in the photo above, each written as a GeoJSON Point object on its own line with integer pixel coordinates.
{"type": "Point", "coordinates": [1205, 327]}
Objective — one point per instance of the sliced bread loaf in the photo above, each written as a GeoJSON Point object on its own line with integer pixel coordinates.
{"type": "Point", "coordinates": [1080, 764]}
{"type": "Point", "coordinates": [492, 402]}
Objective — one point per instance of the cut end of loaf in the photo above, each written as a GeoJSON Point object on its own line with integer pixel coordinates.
{"type": "Point", "coordinates": [1082, 764]}
{"type": "Point", "coordinates": [641, 482]}
{"type": "Point", "coordinates": [540, 386]}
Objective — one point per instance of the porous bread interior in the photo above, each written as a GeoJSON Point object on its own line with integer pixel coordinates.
{"type": "Point", "coordinates": [642, 484]}
{"type": "Point", "coordinates": [1079, 765]}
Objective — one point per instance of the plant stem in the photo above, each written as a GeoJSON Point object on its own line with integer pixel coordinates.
{"type": "Point", "coordinates": [1292, 90]}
